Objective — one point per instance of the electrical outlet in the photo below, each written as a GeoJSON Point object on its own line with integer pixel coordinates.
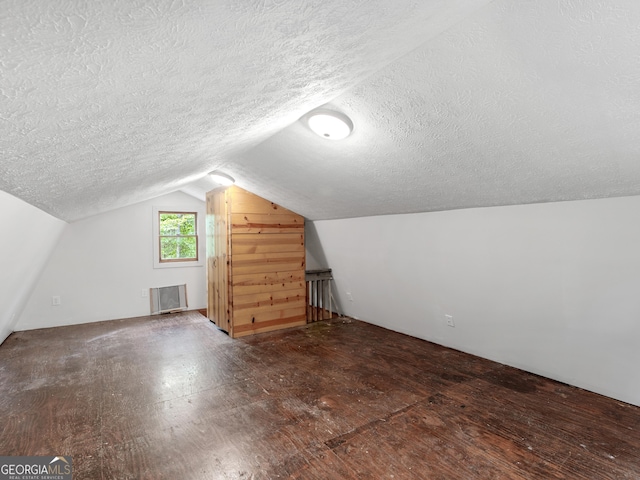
{"type": "Point", "coordinates": [56, 301]}
{"type": "Point", "coordinates": [144, 293]}
{"type": "Point", "coordinates": [449, 320]}
{"type": "Point", "coordinates": [349, 297]}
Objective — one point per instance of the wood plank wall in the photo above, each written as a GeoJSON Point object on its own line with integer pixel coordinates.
{"type": "Point", "coordinates": [218, 239]}
{"type": "Point", "coordinates": [266, 265]}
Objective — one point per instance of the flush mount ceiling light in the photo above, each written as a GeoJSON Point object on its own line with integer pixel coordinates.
{"type": "Point", "coordinates": [330, 124]}
{"type": "Point", "coordinates": [222, 178]}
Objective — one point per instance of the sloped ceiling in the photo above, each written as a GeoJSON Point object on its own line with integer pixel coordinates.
{"type": "Point", "coordinates": [455, 103]}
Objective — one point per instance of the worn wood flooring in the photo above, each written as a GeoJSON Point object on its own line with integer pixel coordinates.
{"type": "Point", "coordinates": [172, 397]}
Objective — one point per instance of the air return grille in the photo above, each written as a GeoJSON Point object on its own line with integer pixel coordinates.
{"type": "Point", "coordinates": [168, 299]}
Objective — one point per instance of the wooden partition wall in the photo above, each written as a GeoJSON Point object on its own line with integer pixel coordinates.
{"type": "Point", "coordinates": [255, 263]}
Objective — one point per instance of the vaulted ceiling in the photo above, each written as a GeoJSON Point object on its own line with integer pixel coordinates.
{"type": "Point", "coordinates": [455, 104]}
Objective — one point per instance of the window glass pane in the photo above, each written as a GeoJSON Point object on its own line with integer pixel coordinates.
{"type": "Point", "coordinates": [177, 224]}
{"type": "Point", "coordinates": [168, 248]}
{"type": "Point", "coordinates": [173, 248]}
{"type": "Point", "coordinates": [188, 225]}
{"type": "Point", "coordinates": [169, 224]}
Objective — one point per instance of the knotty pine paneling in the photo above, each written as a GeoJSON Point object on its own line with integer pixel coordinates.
{"type": "Point", "coordinates": [248, 243]}
{"type": "Point", "coordinates": [262, 223]}
{"type": "Point", "coordinates": [256, 300]}
{"type": "Point", "coordinates": [264, 264]}
{"type": "Point", "coordinates": [247, 202]}
{"type": "Point", "coordinates": [270, 325]}
{"type": "Point", "coordinates": [241, 290]}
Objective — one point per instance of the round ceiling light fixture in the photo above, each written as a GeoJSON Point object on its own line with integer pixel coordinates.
{"type": "Point", "coordinates": [330, 124]}
{"type": "Point", "coordinates": [222, 178]}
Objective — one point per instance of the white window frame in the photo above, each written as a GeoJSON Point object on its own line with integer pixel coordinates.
{"type": "Point", "coordinates": [200, 232]}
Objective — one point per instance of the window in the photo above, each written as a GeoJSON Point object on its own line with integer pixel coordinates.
{"type": "Point", "coordinates": [178, 238]}
{"type": "Point", "coordinates": [178, 235]}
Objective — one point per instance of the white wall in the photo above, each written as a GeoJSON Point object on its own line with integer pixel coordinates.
{"type": "Point", "coordinates": [28, 238]}
{"type": "Point", "coordinates": [102, 264]}
{"type": "Point", "coordinates": [550, 288]}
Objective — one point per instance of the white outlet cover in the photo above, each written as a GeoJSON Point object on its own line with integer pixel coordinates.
{"type": "Point", "coordinates": [449, 319]}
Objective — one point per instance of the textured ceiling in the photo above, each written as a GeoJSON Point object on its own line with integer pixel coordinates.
{"type": "Point", "coordinates": [455, 103]}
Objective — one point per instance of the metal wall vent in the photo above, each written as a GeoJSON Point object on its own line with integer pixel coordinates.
{"type": "Point", "coordinates": [168, 299]}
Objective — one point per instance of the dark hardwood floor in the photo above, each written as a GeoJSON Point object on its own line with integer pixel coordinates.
{"type": "Point", "coordinates": [171, 397]}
